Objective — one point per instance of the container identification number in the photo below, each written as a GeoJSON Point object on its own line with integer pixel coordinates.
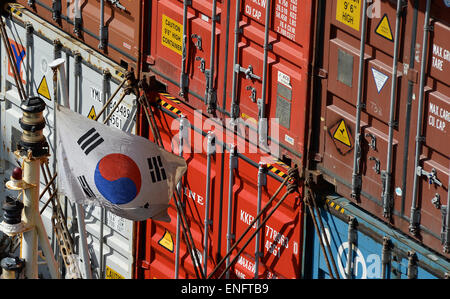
{"type": "Point", "coordinates": [279, 240]}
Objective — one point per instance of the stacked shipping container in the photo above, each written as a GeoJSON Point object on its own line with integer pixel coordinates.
{"type": "Point", "coordinates": [325, 70]}
{"type": "Point", "coordinates": [382, 144]}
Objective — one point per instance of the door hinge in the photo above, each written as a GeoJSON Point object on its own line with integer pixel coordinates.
{"type": "Point", "coordinates": [321, 73]}
{"type": "Point", "coordinates": [144, 264]}
{"type": "Point", "coordinates": [412, 75]}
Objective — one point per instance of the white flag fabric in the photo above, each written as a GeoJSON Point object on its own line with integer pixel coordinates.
{"type": "Point", "coordinates": [127, 174]}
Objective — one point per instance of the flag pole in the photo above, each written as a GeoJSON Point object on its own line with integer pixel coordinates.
{"type": "Point", "coordinates": [32, 148]}
{"type": "Point", "coordinates": [58, 71]}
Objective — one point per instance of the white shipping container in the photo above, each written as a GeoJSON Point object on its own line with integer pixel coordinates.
{"type": "Point", "coordinates": [91, 80]}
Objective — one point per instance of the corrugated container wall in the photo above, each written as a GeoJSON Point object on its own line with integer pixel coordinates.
{"type": "Point", "coordinates": [381, 121]}
{"type": "Point", "coordinates": [225, 63]}
{"type": "Point", "coordinates": [112, 28]}
{"type": "Point", "coordinates": [245, 60]}
{"type": "Point", "coordinates": [217, 218]}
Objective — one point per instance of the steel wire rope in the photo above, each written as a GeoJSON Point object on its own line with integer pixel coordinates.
{"type": "Point", "coordinates": [319, 236]}
{"type": "Point", "coordinates": [292, 174]}
{"type": "Point", "coordinates": [312, 198]}
{"type": "Point", "coordinates": [12, 61]}
{"type": "Point", "coordinates": [186, 232]}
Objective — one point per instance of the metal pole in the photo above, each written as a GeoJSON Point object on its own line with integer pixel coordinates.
{"type": "Point", "coordinates": [84, 250]}
{"type": "Point", "coordinates": [101, 272]}
{"type": "Point", "coordinates": [29, 245]}
{"type": "Point", "coordinates": [262, 121]}
{"type": "Point", "coordinates": [325, 237]}
{"type": "Point", "coordinates": [179, 188]}
{"type": "Point", "coordinates": [415, 214]}
{"type": "Point", "coordinates": [411, 84]}
{"type": "Point", "coordinates": [103, 28]}
{"type": "Point", "coordinates": [77, 73]}
{"type": "Point", "coordinates": [387, 194]}
{"type": "Point", "coordinates": [110, 99]}
{"type": "Point", "coordinates": [186, 232]}
{"type": "Point", "coordinates": [356, 177]}
{"type": "Point", "coordinates": [211, 92]}
{"type": "Point", "coordinates": [262, 181]}
{"type": "Point", "coordinates": [188, 237]}
{"type": "Point", "coordinates": [351, 244]}
{"type": "Point", "coordinates": [255, 232]}
{"type": "Point", "coordinates": [211, 148]}
{"type": "Point", "coordinates": [152, 121]}
{"type": "Point", "coordinates": [230, 236]}
{"type": "Point", "coordinates": [115, 107]}
{"type": "Point", "coordinates": [29, 45]}
{"type": "Point", "coordinates": [319, 236]}
{"type": "Point", "coordinates": [385, 257]}
{"type": "Point", "coordinates": [225, 69]}
{"type": "Point", "coordinates": [412, 265]}
{"type": "Point", "coordinates": [183, 76]}
{"type": "Point", "coordinates": [58, 69]}
{"type": "Point", "coordinates": [446, 232]}
{"type": "Point", "coordinates": [249, 226]}
{"type": "Point", "coordinates": [77, 18]}
{"type": "Point", "coordinates": [237, 31]}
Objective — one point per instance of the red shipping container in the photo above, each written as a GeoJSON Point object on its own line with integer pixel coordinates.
{"type": "Point", "coordinates": [113, 29]}
{"type": "Point", "coordinates": [280, 238]}
{"type": "Point", "coordinates": [224, 74]}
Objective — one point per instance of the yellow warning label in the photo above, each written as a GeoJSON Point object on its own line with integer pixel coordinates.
{"type": "Point", "coordinates": [43, 89]}
{"type": "Point", "coordinates": [384, 28]}
{"type": "Point", "coordinates": [92, 115]}
{"type": "Point", "coordinates": [172, 34]}
{"type": "Point", "coordinates": [349, 12]}
{"type": "Point", "coordinates": [341, 134]}
{"type": "Point", "coordinates": [166, 241]}
{"type": "Point", "coordinates": [111, 274]}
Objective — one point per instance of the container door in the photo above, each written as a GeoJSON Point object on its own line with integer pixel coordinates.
{"type": "Point", "coordinates": [433, 165]}
{"type": "Point", "coordinates": [118, 38]}
{"type": "Point", "coordinates": [158, 240]}
{"type": "Point", "coordinates": [363, 176]}
{"type": "Point", "coordinates": [276, 251]}
{"type": "Point", "coordinates": [288, 53]}
{"type": "Point", "coordinates": [167, 49]}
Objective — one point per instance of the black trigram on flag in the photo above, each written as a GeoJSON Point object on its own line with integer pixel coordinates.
{"type": "Point", "coordinates": [157, 171]}
{"type": "Point", "coordinates": [90, 141]}
{"type": "Point", "coordinates": [84, 185]}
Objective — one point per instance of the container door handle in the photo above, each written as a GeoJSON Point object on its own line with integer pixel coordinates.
{"type": "Point", "coordinates": [117, 4]}
{"type": "Point", "coordinates": [373, 141]}
{"type": "Point", "coordinates": [248, 71]}
{"type": "Point", "coordinates": [198, 43]}
{"type": "Point", "coordinates": [253, 93]}
{"type": "Point", "coordinates": [202, 64]}
{"type": "Point", "coordinates": [431, 176]}
{"type": "Point", "coordinates": [376, 167]}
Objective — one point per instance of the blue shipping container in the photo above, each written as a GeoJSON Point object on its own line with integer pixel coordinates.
{"type": "Point", "coordinates": [402, 255]}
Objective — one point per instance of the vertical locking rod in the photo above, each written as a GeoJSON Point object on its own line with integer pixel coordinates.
{"type": "Point", "coordinates": [211, 148]}
{"type": "Point", "coordinates": [415, 214]}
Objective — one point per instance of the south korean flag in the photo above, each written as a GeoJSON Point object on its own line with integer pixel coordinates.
{"type": "Point", "coordinates": [103, 166]}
